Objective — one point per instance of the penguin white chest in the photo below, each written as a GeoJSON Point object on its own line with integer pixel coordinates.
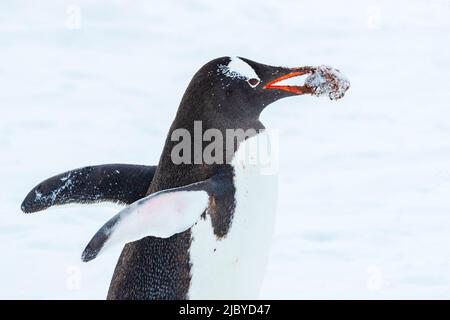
{"type": "Point", "coordinates": [233, 267]}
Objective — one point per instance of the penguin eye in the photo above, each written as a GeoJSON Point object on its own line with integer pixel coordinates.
{"type": "Point", "coordinates": [253, 82]}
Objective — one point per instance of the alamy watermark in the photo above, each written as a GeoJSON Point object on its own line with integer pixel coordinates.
{"type": "Point", "coordinates": [374, 17]}
{"type": "Point", "coordinates": [375, 278]}
{"type": "Point", "coordinates": [73, 17]}
{"type": "Point", "coordinates": [251, 147]}
{"type": "Point", "coordinates": [73, 279]}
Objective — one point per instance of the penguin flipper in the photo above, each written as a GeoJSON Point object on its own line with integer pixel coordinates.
{"type": "Point", "coordinates": [120, 183]}
{"type": "Point", "coordinates": [161, 214]}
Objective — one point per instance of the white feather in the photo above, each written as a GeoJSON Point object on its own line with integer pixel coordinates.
{"type": "Point", "coordinates": [234, 267]}
{"type": "Point", "coordinates": [160, 215]}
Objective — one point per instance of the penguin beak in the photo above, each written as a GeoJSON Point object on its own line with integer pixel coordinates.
{"type": "Point", "coordinates": [293, 81]}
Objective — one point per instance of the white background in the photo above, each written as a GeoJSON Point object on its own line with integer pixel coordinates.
{"type": "Point", "coordinates": [364, 199]}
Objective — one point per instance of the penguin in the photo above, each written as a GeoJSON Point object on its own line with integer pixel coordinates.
{"type": "Point", "coordinates": [195, 229]}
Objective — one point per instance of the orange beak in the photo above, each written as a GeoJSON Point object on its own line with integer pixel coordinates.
{"type": "Point", "coordinates": [275, 84]}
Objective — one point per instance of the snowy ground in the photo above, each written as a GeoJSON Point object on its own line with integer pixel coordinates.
{"type": "Point", "coordinates": [364, 204]}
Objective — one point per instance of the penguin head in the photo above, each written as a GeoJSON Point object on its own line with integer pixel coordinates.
{"type": "Point", "coordinates": [240, 88]}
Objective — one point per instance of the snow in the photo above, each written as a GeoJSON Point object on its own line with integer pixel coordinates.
{"type": "Point", "coordinates": [54, 195]}
{"type": "Point", "coordinates": [364, 181]}
{"type": "Point", "coordinates": [326, 80]}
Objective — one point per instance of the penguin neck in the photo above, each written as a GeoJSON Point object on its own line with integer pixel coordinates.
{"type": "Point", "coordinates": [196, 121]}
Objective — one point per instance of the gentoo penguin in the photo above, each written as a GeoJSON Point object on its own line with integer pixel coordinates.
{"type": "Point", "coordinates": [196, 228]}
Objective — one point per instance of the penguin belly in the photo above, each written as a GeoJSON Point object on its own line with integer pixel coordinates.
{"type": "Point", "coordinates": [233, 267]}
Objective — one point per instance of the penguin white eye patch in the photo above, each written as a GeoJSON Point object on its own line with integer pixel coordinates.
{"type": "Point", "coordinates": [238, 68]}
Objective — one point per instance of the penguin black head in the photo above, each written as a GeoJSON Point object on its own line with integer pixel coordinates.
{"type": "Point", "coordinates": [238, 88]}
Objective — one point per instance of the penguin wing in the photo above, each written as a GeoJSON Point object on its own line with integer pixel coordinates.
{"type": "Point", "coordinates": [161, 214]}
{"type": "Point", "coordinates": [120, 183]}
